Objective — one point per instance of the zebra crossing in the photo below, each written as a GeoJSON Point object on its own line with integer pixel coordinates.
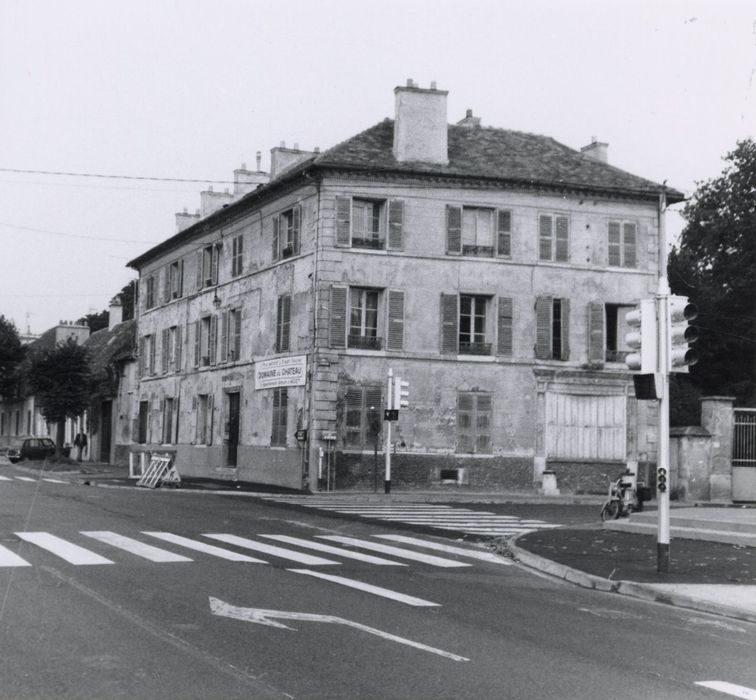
{"type": "Point", "coordinates": [432, 515]}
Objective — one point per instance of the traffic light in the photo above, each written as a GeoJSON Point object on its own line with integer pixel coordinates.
{"type": "Point", "coordinates": [401, 393]}
{"type": "Point", "coordinates": [642, 337]}
{"type": "Point", "coordinates": [661, 480]}
{"type": "Point", "coordinates": [682, 335]}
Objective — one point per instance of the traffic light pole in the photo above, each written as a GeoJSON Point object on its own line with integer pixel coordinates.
{"type": "Point", "coordinates": [662, 466]}
{"type": "Point", "coordinates": [387, 451]}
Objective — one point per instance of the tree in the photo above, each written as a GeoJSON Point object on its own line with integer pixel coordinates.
{"type": "Point", "coordinates": [96, 322]}
{"type": "Point", "coordinates": [715, 265]}
{"type": "Point", "coordinates": [60, 379]}
{"type": "Point", "coordinates": [11, 356]}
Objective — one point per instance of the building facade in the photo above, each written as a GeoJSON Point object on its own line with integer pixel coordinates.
{"type": "Point", "coordinates": [491, 269]}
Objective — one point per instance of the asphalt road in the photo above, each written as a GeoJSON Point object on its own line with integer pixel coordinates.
{"type": "Point", "coordinates": [73, 626]}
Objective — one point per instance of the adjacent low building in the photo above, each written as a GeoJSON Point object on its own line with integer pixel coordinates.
{"type": "Point", "coordinates": [491, 269]}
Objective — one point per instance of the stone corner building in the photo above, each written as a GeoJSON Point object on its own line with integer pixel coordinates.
{"type": "Point", "coordinates": [489, 268]}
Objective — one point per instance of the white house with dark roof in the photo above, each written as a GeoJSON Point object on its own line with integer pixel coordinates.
{"type": "Point", "coordinates": [489, 268]}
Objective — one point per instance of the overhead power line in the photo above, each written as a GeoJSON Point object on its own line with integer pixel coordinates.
{"type": "Point", "coordinates": [113, 177]}
{"type": "Point", "coordinates": [76, 235]}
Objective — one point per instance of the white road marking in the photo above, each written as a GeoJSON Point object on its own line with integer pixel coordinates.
{"type": "Point", "coordinates": [368, 588]}
{"type": "Point", "coordinates": [346, 553]}
{"type": "Point", "coordinates": [5, 478]}
{"type": "Point", "coordinates": [72, 553]}
{"type": "Point", "coordinates": [53, 481]}
{"type": "Point", "coordinates": [8, 558]}
{"type": "Point", "coordinates": [203, 547]}
{"type": "Point", "coordinates": [268, 617]}
{"type": "Point", "coordinates": [738, 691]}
{"type": "Point", "coordinates": [25, 478]}
{"type": "Point", "coordinates": [396, 551]}
{"type": "Point", "coordinates": [450, 549]}
{"type": "Point", "coordinates": [147, 551]}
{"type": "Point", "coordinates": [281, 552]}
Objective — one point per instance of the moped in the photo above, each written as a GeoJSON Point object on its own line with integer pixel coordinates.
{"type": "Point", "coordinates": [623, 497]}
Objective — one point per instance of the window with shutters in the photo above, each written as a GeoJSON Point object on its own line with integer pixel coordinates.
{"type": "Point", "coordinates": [552, 328]}
{"type": "Point", "coordinates": [168, 409]}
{"type": "Point", "coordinates": [147, 355]}
{"type": "Point", "coordinates": [205, 341]}
{"type": "Point", "coordinates": [363, 319]}
{"type": "Point", "coordinates": [208, 264]}
{"type": "Point", "coordinates": [474, 420]}
{"type": "Point", "coordinates": [362, 417]}
{"type": "Point", "coordinates": [171, 349]}
{"type": "Point", "coordinates": [616, 330]}
{"type": "Point", "coordinates": [367, 318]}
{"type": "Point", "coordinates": [623, 244]}
{"type": "Point", "coordinates": [176, 279]}
{"type": "Point", "coordinates": [286, 233]}
{"type": "Point", "coordinates": [374, 224]}
{"type": "Point", "coordinates": [283, 323]}
{"type": "Point", "coordinates": [553, 237]}
{"type": "Point", "coordinates": [478, 231]}
{"type": "Point", "coordinates": [237, 255]}
{"type": "Point", "coordinates": [280, 417]}
{"type": "Point", "coordinates": [466, 328]}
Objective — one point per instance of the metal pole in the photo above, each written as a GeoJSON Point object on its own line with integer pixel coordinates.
{"type": "Point", "coordinates": [387, 452]}
{"type": "Point", "coordinates": [662, 311]}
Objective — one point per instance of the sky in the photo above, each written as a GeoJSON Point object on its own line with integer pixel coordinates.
{"type": "Point", "coordinates": [172, 95]}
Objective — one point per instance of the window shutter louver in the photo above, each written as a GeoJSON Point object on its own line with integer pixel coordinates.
{"type": "Point", "coordinates": [596, 342]}
{"type": "Point", "coordinates": [453, 229]}
{"type": "Point", "coordinates": [630, 245]}
{"type": "Point", "coordinates": [395, 225]}
{"type": "Point", "coordinates": [142, 356]}
{"type": "Point", "coordinates": [179, 348]}
{"type": "Point", "coordinates": [449, 324]}
{"type": "Point", "coordinates": [197, 343]}
{"type": "Point", "coordinates": [565, 330]}
{"type": "Point", "coordinates": [338, 317]}
{"type": "Point", "coordinates": [199, 278]}
{"type": "Point", "coordinates": [224, 337]}
{"type": "Point", "coordinates": [296, 225]}
{"type": "Point", "coordinates": [343, 221]}
{"type": "Point", "coordinates": [276, 235]}
{"type": "Point", "coordinates": [166, 273]}
{"type": "Point", "coordinates": [504, 335]}
{"type": "Point", "coordinates": [217, 250]}
{"type": "Point", "coordinates": [543, 309]}
{"type": "Point", "coordinates": [614, 249]}
{"type": "Point", "coordinates": [284, 322]}
{"type": "Point", "coordinates": [562, 239]}
{"type": "Point", "coordinates": [504, 233]}
{"type": "Point", "coordinates": [181, 277]}
{"type": "Point", "coordinates": [212, 341]}
{"type": "Point", "coordinates": [237, 333]}
{"type": "Point", "coordinates": [395, 331]}
{"type": "Point", "coordinates": [164, 350]}
{"type": "Point", "coordinates": [544, 237]}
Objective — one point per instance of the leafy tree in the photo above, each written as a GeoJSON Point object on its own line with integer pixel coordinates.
{"type": "Point", "coordinates": [95, 322]}
{"type": "Point", "coordinates": [60, 379]}
{"type": "Point", "coordinates": [715, 265]}
{"type": "Point", "coordinates": [11, 356]}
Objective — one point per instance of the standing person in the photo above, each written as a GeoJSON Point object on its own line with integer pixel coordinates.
{"type": "Point", "coordinates": [80, 443]}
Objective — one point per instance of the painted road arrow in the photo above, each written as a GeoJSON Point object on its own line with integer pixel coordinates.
{"type": "Point", "coordinates": [270, 617]}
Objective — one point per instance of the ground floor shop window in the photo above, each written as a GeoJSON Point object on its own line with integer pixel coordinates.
{"type": "Point", "coordinates": [474, 414]}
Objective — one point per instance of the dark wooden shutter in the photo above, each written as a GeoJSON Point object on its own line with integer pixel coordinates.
{"type": "Point", "coordinates": [296, 226]}
{"type": "Point", "coordinates": [395, 330]}
{"type": "Point", "coordinates": [224, 337]}
{"type": "Point", "coordinates": [544, 237]}
{"type": "Point", "coordinates": [449, 324]}
{"type": "Point", "coordinates": [181, 277]}
{"type": "Point", "coordinates": [395, 224]}
{"type": "Point", "coordinates": [236, 341]}
{"type": "Point", "coordinates": [562, 239]}
{"type": "Point", "coordinates": [179, 348]}
{"type": "Point", "coordinates": [165, 357]}
{"type": "Point", "coordinates": [153, 349]}
{"type": "Point", "coordinates": [338, 317]}
{"type": "Point", "coordinates": [276, 235]}
{"type": "Point", "coordinates": [504, 233]}
{"type": "Point", "coordinates": [197, 342]}
{"type": "Point", "coordinates": [596, 342]}
{"type": "Point", "coordinates": [199, 280]}
{"type": "Point", "coordinates": [282, 323]}
{"type": "Point", "coordinates": [453, 229]}
{"type": "Point", "coordinates": [504, 330]}
{"type": "Point", "coordinates": [166, 273]}
{"type": "Point", "coordinates": [210, 419]}
{"type": "Point", "coordinates": [142, 356]}
{"type": "Point", "coordinates": [615, 244]}
{"type": "Point", "coordinates": [543, 311]}
{"type": "Point", "coordinates": [565, 329]}
{"type": "Point", "coordinates": [217, 250]}
{"type": "Point", "coordinates": [343, 220]}
{"type": "Point", "coordinates": [630, 245]}
{"type": "Point", "coordinates": [212, 339]}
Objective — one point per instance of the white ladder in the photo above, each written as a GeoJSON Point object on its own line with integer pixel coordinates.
{"type": "Point", "coordinates": [160, 471]}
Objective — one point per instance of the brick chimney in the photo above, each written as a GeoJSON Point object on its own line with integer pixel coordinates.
{"type": "Point", "coordinates": [115, 313]}
{"type": "Point", "coordinates": [596, 150]}
{"type": "Point", "coordinates": [420, 128]}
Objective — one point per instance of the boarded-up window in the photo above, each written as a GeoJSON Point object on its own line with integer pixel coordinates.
{"type": "Point", "coordinates": [362, 417]}
{"type": "Point", "coordinates": [474, 421]}
{"type": "Point", "coordinates": [583, 427]}
{"type": "Point", "coordinates": [280, 417]}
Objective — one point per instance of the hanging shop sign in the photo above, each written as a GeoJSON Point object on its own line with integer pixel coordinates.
{"type": "Point", "coordinates": [283, 371]}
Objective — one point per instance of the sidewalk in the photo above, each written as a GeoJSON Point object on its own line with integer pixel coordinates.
{"type": "Point", "coordinates": [712, 553]}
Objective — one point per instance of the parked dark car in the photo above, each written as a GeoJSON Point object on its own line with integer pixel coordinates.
{"type": "Point", "coordinates": [31, 448]}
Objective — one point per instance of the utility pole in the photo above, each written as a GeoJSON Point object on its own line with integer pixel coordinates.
{"type": "Point", "coordinates": [387, 451]}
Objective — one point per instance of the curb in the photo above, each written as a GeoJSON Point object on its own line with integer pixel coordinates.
{"type": "Point", "coordinates": [639, 591]}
